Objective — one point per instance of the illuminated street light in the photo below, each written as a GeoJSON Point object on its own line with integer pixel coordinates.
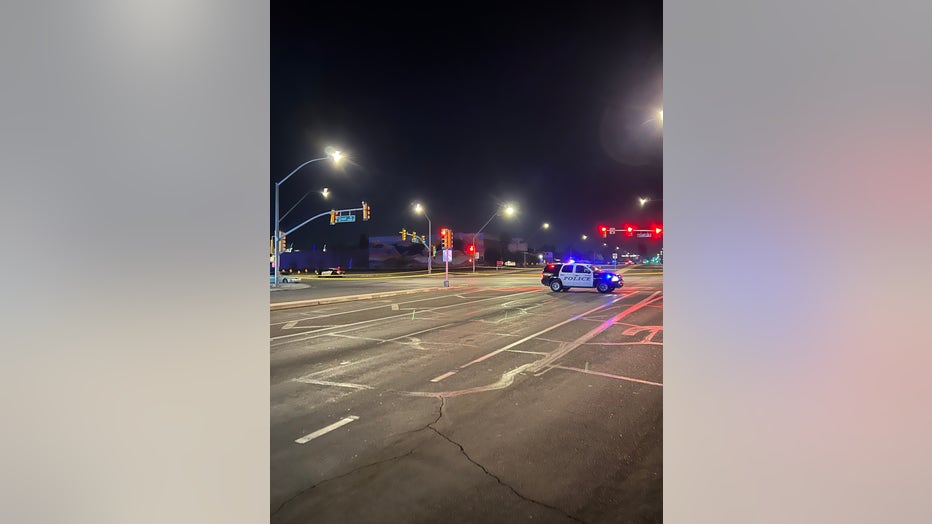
{"type": "Point", "coordinates": [418, 208]}
{"type": "Point", "coordinates": [325, 192]}
{"type": "Point", "coordinates": [546, 225]}
{"type": "Point", "coordinates": [331, 154]}
{"type": "Point", "coordinates": [645, 200]}
{"type": "Point", "coordinates": [584, 237]}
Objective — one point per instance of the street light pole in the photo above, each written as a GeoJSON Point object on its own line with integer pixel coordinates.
{"type": "Point", "coordinates": [429, 249]}
{"type": "Point", "coordinates": [474, 235]}
{"type": "Point", "coordinates": [418, 208]}
{"type": "Point", "coordinates": [277, 233]}
{"type": "Point", "coordinates": [508, 210]}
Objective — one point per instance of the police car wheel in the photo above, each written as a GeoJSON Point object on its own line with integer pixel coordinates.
{"type": "Point", "coordinates": [603, 287]}
{"type": "Point", "coordinates": [556, 285]}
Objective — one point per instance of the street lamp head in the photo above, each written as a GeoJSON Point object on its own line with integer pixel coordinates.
{"type": "Point", "coordinates": [418, 208]}
{"type": "Point", "coordinates": [325, 192]}
{"type": "Point", "coordinates": [509, 210]}
{"type": "Point", "coordinates": [334, 153]}
{"type": "Point", "coordinates": [643, 201]}
{"type": "Point", "coordinates": [584, 237]}
{"type": "Point", "coordinates": [546, 225]}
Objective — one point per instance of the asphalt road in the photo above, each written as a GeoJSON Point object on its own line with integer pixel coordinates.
{"type": "Point", "coordinates": [495, 401]}
{"type": "Point", "coordinates": [355, 283]}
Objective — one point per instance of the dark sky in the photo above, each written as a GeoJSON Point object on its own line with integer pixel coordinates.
{"type": "Point", "coordinates": [466, 107]}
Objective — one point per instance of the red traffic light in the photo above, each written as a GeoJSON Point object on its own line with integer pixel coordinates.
{"type": "Point", "coordinates": [471, 248]}
{"type": "Point", "coordinates": [658, 230]}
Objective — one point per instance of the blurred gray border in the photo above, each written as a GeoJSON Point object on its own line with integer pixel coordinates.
{"type": "Point", "coordinates": [134, 143]}
{"type": "Point", "coordinates": [797, 161]}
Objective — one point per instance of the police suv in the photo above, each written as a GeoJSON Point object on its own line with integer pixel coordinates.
{"type": "Point", "coordinates": [561, 277]}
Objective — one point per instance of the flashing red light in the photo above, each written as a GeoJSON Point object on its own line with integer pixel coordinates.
{"type": "Point", "coordinates": [657, 230]}
{"type": "Point", "coordinates": [604, 231]}
{"type": "Point", "coordinates": [471, 248]}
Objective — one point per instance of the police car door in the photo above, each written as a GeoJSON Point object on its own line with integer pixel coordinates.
{"type": "Point", "coordinates": [583, 276]}
{"type": "Point", "coordinates": [567, 276]}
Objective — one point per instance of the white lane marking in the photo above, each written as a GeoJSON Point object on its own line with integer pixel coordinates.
{"type": "Point", "coordinates": [541, 332]}
{"type": "Point", "coordinates": [323, 431]}
{"type": "Point", "coordinates": [315, 334]}
{"type": "Point", "coordinates": [304, 380]}
{"type": "Point", "coordinates": [528, 352]}
{"type": "Point", "coordinates": [409, 335]}
{"type": "Point", "coordinates": [314, 317]}
{"type": "Point", "coordinates": [609, 375]}
{"type": "Point", "coordinates": [290, 325]}
{"type": "Point", "coordinates": [441, 377]}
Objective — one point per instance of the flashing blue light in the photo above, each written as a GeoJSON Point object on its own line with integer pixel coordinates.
{"type": "Point", "coordinates": [571, 261]}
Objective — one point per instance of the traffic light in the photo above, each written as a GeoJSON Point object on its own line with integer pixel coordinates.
{"type": "Point", "coordinates": [433, 250]}
{"type": "Point", "coordinates": [281, 244]}
{"type": "Point", "coordinates": [333, 216]}
{"type": "Point", "coordinates": [629, 231]}
{"type": "Point", "coordinates": [446, 236]}
{"type": "Point", "coordinates": [366, 212]}
{"type": "Point", "coordinates": [604, 231]}
{"type": "Point", "coordinates": [471, 249]}
{"type": "Point", "coordinates": [404, 233]}
{"type": "Point", "coordinates": [658, 230]}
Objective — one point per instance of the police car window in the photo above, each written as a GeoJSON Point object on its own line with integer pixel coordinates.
{"type": "Point", "coordinates": [567, 269]}
{"type": "Point", "coordinates": [582, 269]}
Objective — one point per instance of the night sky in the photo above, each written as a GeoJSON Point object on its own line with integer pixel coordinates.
{"type": "Point", "coordinates": [465, 108]}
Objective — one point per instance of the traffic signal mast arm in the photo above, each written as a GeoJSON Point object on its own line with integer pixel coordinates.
{"type": "Point", "coordinates": [324, 214]}
{"type": "Point", "coordinates": [629, 229]}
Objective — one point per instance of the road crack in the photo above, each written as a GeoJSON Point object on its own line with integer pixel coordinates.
{"type": "Point", "coordinates": [489, 473]}
{"type": "Point", "coordinates": [354, 470]}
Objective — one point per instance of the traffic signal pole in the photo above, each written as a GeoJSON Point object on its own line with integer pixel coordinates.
{"type": "Point", "coordinates": [279, 234]}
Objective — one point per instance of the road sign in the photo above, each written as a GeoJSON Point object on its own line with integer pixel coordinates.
{"type": "Point", "coordinates": [345, 218]}
{"type": "Point", "coordinates": [611, 230]}
{"type": "Point", "coordinates": [448, 255]}
{"type": "Point", "coordinates": [614, 256]}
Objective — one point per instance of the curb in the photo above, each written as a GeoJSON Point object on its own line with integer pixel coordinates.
{"type": "Point", "coordinates": [334, 300]}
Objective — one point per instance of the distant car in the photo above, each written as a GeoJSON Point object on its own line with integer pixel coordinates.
{"type": "Point", "coordinates": [331, 272]}
{"type": "Point", "coordinates": [561, 277]}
